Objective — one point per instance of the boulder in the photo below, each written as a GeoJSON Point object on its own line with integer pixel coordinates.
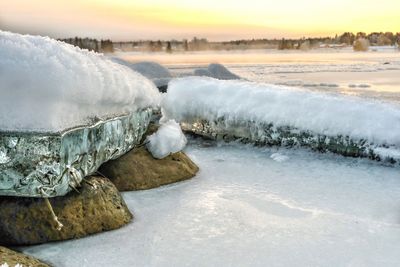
{"type": "Point", "coordinates": [12, 258]}
{"type": "Point", "coordinates": [98, 207]}
{"type": "Point", "coordinates": [138, 170]}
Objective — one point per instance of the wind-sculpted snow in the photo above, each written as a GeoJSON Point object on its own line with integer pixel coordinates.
{"type": "Point", "coordinates": [278, 115]}
{"type": "Point", "coordinates": [217, 71]}
{"type": "Point", "coordinates": [49, 86]}
{"type": "Point", "coordinates": [151, 70]}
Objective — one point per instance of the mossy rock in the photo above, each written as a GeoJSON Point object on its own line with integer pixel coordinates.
{"type": "Point", "coordinates": [138, 170]}
{"type": "Point", "coordinates": [98, 207]}
{"type": "Point", "coordinates": [12, 258]}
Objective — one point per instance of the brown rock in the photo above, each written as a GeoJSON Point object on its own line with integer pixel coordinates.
{"type": "Point", "coordinates": [138, 170]}
{"type": "Point", "coordinates": [98, 207]}
{"type": "Point", "coordinates": [13, 258]}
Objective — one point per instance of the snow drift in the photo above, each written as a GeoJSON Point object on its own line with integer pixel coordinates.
{"type": "Point", "coordinates": [157, 73]}
{"type": "Point", "coordinates": [48, 86]}
{"type": "Point", "coordinates": [278, 115]}
{"type": "Point", "coordinates": [167, 140]}
{"type": "Point", "coordinates": [217, 71]}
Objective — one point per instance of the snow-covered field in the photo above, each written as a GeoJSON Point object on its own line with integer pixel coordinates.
{"type": "Point", "coordinates": [254, 207]}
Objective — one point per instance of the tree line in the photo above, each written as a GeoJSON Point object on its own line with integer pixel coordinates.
{"type": "Point", "coordinates": [102, 46]}
{"type": "Point", "coordinates": [198, 44]}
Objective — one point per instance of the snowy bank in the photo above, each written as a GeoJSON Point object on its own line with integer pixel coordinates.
{"type": "Point", "coordinates": [278, 115]}
{"type": "Point", "coordinates": [47, 85]}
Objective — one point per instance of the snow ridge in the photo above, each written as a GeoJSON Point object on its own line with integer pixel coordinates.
{"type": "Point", "coordinates": [192, 98]}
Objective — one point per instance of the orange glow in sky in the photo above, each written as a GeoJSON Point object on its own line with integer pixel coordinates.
{"type": "Point", "coordinates": [214, 19]}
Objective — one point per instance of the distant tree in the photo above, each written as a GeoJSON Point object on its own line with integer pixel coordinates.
{"type": "Point", "coordinates": [347, 38]}
{"type": "Point", "coordinates": [169, 48]}
{"type": "Point", "coordinates": [361, 44]}
{"type": "Point", "coordinates": [185, 45]}
{"type": "Point", "coordinates": [383, 39]}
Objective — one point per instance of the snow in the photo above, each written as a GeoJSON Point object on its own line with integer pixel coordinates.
{"type": "Point", "coordinates": [239, 101]}
{"type": "Point", "coordinates": [168, 139]}
{"type": "Point", "coordinates": [49, 86]}
{"type": "Point", "coordinates": [217, 71]}
{"type": "Point", "coordinates": [279, 157]}
{"type": "Point", "coordinates": [245, 209]}
{"type": "Point", "coordinates": [151, 70]}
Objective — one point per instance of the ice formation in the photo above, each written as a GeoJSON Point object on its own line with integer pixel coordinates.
{"type": "Point", "coordinates": [278, 115]}
{"type": "Point", "coordinates": [217, 71]}
{"type": "Point", "coordinates": [167, 140]}
{"type": "Point", "coordinates": [151, 70]}
{"type": "Point", "coordinates": [63, 112]}
{"type": "Point", "coordinates": [50, 86]}
{"type": "Point", "coordinates": [245, 209]}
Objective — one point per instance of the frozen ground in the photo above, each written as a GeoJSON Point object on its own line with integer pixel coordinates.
{"type": "Point", "coordinates": [254, 207]}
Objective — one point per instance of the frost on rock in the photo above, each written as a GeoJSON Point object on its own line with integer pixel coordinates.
{"type": "Point", "coordinates": [283, 116]}
{"type": "Point", "coordinates": [63, 112]}
{"type": "Point", "coordinates": [167, 140]}
{"type": "Point", "coordinates": [157, 73]}
{"type": "Point", "coordinates": [217, 71]}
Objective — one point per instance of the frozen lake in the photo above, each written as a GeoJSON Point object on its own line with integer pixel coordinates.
{"type": "Point", "coordinates": [254, 207]}
{"type": "Point", "coordinates": [373, 74]}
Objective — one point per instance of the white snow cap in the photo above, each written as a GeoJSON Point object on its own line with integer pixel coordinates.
{"type": "Point", "coordinates": [167, 140]}
{"type": "Point", "coordinates": [47, 85]}
{"type": "Point", "coordinates": [192, 98]}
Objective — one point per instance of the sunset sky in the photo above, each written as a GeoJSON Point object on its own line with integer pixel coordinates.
{"type": "Point", "coordinates": [214, 19]}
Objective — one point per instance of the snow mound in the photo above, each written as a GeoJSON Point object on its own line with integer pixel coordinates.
{"type": "Point", "coordinates": [278, 157]}
{"type": "Point", "coordinates": [151, 70]}
{"type": "Point", "coordinates": [194, 98]}
{"type": "Point", "coordinates": [216, 71]}
{"type": "Point", "coordinates": [49, 86]}
{"type": "Point", "coordinates": [167, 140]}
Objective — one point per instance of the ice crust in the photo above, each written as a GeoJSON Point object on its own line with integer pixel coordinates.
{"type": "Point", "coordinates": [167, 140]}
{"type": "Point", "coordinates": [245, 209]}
{"type": "Point", "coordinates": [49, 86]}
{"type": "Point", "coordinates": [193, 98]}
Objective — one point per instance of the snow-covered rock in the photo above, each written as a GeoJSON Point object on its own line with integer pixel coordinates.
{"type": "Point", "coordinates": [167, 140]}
{"type": "Point", "coordinates": [49, 86]}
{"type": "Point", "coordinates": [286, 116]}
{"type": "Point", "coordinates": [151, 70]}
{"type": "Point", "coordinates": [217, 71]}
{"type": "Point", "coordinates": [63, 112]}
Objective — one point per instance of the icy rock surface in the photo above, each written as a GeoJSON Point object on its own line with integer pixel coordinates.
{"type": "Point", "coordinates": [288, 116]}
{"type": "Point", "coordinates": [151, 70]}
{"type": "Point", "coordinates": [63, 112]}
{"type": "Point", "coordinates": [217, 71]}
{"type": "Point", "coordinates": [44, 165]}
{"type": "Point", "coordinates": [245, 209]}
{"type": "Point", "coordinates": [49, 86]}
{"type": "Point", "coordinates": [168, 139]}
